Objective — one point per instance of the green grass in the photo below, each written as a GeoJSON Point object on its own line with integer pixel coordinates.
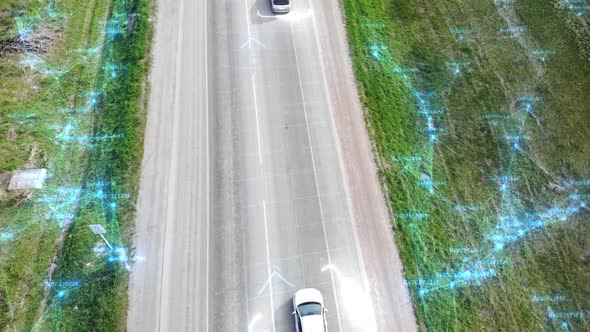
{"type": "Point", "coordinates": [100, 304]}
{"type": "Point", "coordinates": [30, 101]}
{"type": "Point", "coordinates": [403, 47]}
{"type": "Point", "coordinates": [31, 121]}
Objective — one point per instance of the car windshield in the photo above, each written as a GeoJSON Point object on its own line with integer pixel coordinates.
{"type": "Point", "coordinates": [281, 2]}
{"type": "Point", "coordinates": [309, 308]}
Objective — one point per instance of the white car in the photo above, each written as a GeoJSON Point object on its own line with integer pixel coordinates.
{"type": "Point", "coordinates": [309, 311]}
{"type": "Point", "coordinates": [280, 6]}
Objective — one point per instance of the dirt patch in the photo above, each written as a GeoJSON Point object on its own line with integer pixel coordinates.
{"type": "Point", "coordinates": [34, 158]}
{"type": "Point", "coordinates": [41, 41]}
{"type": "Point", "coordinates": [10, 46]}
{"type": "Point", "coordinates": [11, 134]}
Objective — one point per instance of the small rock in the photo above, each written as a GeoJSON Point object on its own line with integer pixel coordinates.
{"type": "Point", "coordinates": [27, 179]}
{"type": "Point", "coordinates": [557, 188]}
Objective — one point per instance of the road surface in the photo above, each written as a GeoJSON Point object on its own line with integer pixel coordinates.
{"type": "Point", "coordinates": [257, 177]}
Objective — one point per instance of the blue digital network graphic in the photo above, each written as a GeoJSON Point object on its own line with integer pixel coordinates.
{"type": "Point", "coordinates": [63, 195]}
{"type": "Point", "coordinates": [513, 219]}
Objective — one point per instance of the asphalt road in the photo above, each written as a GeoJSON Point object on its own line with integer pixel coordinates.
{"type": "Point", "coordinates": [257, 177]}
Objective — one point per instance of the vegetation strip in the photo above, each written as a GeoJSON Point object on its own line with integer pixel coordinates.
{"type": "Point", "coordinates": [81, 116]}
{"type": "Point", "coordinates": [477, 110]}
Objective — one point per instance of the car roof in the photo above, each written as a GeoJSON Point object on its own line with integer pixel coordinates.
{"type": "Point", "coordinates": [308, 295]}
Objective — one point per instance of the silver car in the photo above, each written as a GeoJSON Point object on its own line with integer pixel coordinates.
{"type": "Point", "coordinates": [280, 6]}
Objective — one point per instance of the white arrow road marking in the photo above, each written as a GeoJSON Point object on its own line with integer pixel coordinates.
{"type": "Point", "coordinates": [277, 274]}
{"type": "Point", "coordinates": [249, 42]}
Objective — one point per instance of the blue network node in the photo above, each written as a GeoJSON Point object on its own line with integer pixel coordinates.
{"type": "Point", "coordinates": [512, 32]}
{"type": "Point", "coordinates": [544, 55]}
{"type": "Point", "coordinates": [457, 67]}
{"type": "Point", "coordinates": [6, 236]}
{"type": "Point", "coordinates": [577, 7]}
{"type": "Point", "coordinates": [462, 34]}
{"type": "Point", "coordinates": [24, 26]}
{"type": "Point", "coordinates": [412, 216]}
{"type": "Point", "coordinates": [548, 298]}
{"type": "Point", "coordinates": [377, 51]}
{"type": "Point", "coordinates": [118, 255]}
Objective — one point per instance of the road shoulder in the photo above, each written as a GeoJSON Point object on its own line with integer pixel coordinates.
{"type": "Point", "coordinates": [370, 213]}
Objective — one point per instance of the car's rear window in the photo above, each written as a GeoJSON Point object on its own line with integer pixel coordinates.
{"type": "Point", "coordinates": [281, 2]}
{"type": "Point", "coordinates": [309, 308]}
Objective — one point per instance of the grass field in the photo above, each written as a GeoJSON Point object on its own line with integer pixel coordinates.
{"type": "Point", "coordinates": [479, 116]}
{"type": "Point", "coordinates": [71, 101]}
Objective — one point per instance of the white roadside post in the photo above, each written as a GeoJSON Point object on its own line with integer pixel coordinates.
{"type": "Point", "coordinates": [98, 229]}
